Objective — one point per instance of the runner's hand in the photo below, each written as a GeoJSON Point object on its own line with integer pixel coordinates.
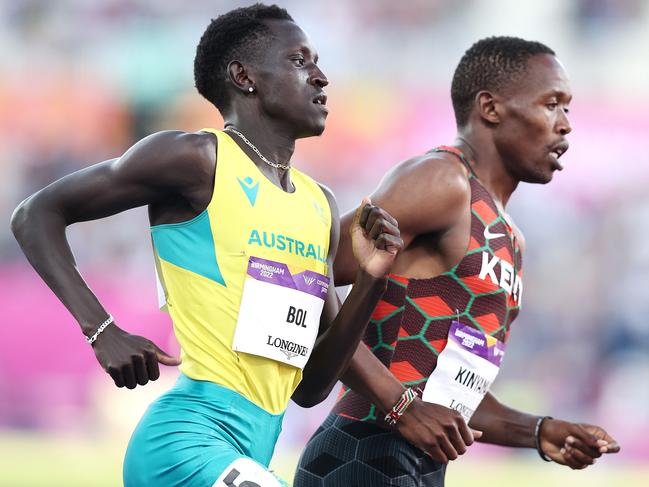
{"type": "Point", "coordinates": [376, 239]}
{"type": "Point", "coordinates": [575, 445]}
{"type": "Point", "coordinates": [437, 430]}
{"type": "Point", "coordinates": [130, 359]}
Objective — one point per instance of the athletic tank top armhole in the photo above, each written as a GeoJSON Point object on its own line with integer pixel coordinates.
{"type": "Point", "coordinates": [471, 175]}
{"type": "Point", "coordinates": [203, 213]}
{"type": "Point", "coordinates": [455, 266]}
{"type": "Point", "coordinates": [219, 147]}
{"type": "Point", "coordinates": [322, 191]}
{"type": "Point", "coordinates": [191, 221]}
{"type": "Point", "coordinates": [468, 248]}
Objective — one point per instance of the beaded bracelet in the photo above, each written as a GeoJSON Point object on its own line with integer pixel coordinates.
{"type": "Point", "coordinates": [406, 399]}
{"type": "Point", "coordinates": [101, 328]}
{"type": "Point", "coordinates": [537, 437]}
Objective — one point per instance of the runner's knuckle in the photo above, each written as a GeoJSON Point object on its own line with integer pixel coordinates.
{"type": "Point", "coordinates": [449, 423]}
{"type": "Point", "coordinates": [450, 428]}
{"type": "Point", "coordinates": [428, 445]}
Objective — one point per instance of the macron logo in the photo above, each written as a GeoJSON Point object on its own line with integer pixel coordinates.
{"type": "Point", "coordinates": [250, 188]}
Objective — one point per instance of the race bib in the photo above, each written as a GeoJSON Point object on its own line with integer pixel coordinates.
{"type": "Point", "coordinates": [245, 472]}
{"type": "Point", "coordinates": [465, 370]}
{"type": "Point", "coordinates": [280, 311]}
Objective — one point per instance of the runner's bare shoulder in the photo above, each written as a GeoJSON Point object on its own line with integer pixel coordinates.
{"type": "Point", "coordinates": [173, 156]}
{"type": "Point", "coordinates": [425, 193]}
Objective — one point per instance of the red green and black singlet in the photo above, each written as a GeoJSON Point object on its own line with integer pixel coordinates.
{"type": "Point", "coordinates": [410, 325]}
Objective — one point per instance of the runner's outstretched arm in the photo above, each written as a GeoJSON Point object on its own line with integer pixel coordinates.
{"type": "Point", "coordinates": [376, 240]}
{"type": "Point", "coordinates": [161, 165]}
{"type": "Point", "coordinates": [443, 185]}
{"type": "Point", "coordinates": [576, 445]}
{"type": "Point", "coordinates": [435, 429]}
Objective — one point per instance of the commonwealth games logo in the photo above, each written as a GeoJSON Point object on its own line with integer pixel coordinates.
{"type": "Point", "coordinates": [308, 280]}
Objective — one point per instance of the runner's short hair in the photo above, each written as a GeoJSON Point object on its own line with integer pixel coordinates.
{"type": "Point", "coordinates": [490, 64]}
{"type": "Point", "coordinates": [239, 34]}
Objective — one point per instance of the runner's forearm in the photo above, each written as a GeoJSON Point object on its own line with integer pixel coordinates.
{"type": "Point", "coordinates": [40, 231]}
{"type": "Point", "coordinates": [335, 347]}
{"type": "Point", "coordinates": [367, 375]}
{"type": "Point", "coordinates": [502, 425]}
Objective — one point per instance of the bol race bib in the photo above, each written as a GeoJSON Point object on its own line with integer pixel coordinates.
{"type": "Point", "coordinates": [280, 310]}
{"type": "Point", "coordinates": [465, 370]}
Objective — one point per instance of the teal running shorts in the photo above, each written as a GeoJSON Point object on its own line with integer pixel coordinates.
{"type": "Point", "coordinates": [202, 434]}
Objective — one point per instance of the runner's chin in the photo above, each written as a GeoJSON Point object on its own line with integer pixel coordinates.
{"type": "Point", "coordinates": [318, 120]}
{"type": "Point", "coordinates": [542, 175]}
{"type": "Point", "coordinates": [320, 124]}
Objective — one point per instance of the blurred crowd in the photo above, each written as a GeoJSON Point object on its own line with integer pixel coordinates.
{"type": "Point", "coordinates": [80, 81]}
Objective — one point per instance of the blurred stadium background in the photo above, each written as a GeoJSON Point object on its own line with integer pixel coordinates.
{"type": "Point", "coordinates": [81, 80]}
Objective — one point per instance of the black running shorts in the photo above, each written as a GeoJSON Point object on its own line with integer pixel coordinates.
{"type": "Point", "coordinates": [348, 453]}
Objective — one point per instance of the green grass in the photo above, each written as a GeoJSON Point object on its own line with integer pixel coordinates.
{"type": "Point", "coordinates": [30, 460]}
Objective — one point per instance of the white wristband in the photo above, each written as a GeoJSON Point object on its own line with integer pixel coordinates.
{"type": "Point", "coordinates": [101, 328]}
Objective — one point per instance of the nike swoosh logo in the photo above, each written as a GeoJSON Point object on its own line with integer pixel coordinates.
{"type": "Point", "coordinates": [490, 236]}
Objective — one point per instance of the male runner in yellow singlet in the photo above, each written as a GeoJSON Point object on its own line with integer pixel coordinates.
{"type": "Point", "coordinates": [244, 246]}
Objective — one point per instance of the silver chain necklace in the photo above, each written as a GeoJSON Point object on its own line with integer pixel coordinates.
{"type": "Point", "coordinates": [276, 165]}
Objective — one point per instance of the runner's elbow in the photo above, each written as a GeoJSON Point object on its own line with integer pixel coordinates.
{"type": "Point", "coordinates": [19, 219]}
{"type": "Point", "coordinates": [308, 398]}
{"type": "Point", "coordinates": [29, 216]}
{"type": "Point", "coordinates": [307, 402]}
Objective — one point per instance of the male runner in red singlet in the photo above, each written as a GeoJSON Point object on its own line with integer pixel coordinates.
{"type": "Point", "coordinates": [441, 328]}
